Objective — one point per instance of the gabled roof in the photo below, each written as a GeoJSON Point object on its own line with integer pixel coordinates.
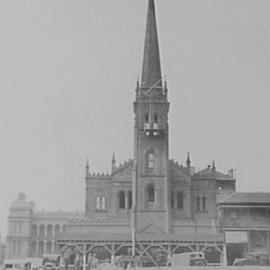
{"type": "Point", "coordinates": [210, 173]}
{"type": "Point", "coordinates": [123, 166]}
{"type": "Point", "coordinates": [247, 198]}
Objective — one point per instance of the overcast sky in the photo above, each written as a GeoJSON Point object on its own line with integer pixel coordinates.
{"type": "Point", "coordinates": [68, 70]}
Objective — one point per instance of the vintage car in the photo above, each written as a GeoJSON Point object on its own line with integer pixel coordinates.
{"type": "Point", "coordinates": [17, 265]}
{"type": "Point", "coordinates": [253, 258]}
{"type": "Point", "coordinates": [189, 259]}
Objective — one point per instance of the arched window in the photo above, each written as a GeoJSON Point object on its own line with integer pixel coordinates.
{"type": "Point", "coordinates": [40, 248]}
{"type": "Point", "coordinates": [198, 203]}
{"type": "Point", "coordinates": [146, 118]}
{"type": "Point", "coordinates": [204, 204]}
{"type": "Point", "coordinates": [98, 203]}
{"type": "Point", "coordinates": [49, 247]}
{"type": "Point", "coordinates": [57, 230]}
{"type": "Point", "coordinates": [129, 199]}
{"type": "Point", "coordinates": [151, 161]}
{"type": "Point", "coordinates": [33, 248]}
{"type": "Point", "coordinates": [121, 200]}
{"type": "Point", "coordinates": [103, 203]}
{"type": "Point", "coordinates": [179, 200]}
{"type": "Point", "coordinates": [155, 118]}
{"type": "Point", "coordinates": [50, 230]}
{"type": "Point", "coordinates": [151, 193]}
{"type": "Point", "coordinates": [42, 230]}
{"type": "Point", "coordinates": [34, 230]}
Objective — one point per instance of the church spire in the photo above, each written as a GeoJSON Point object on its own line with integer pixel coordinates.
{"type": "Point", "coordinates": [151, 70]}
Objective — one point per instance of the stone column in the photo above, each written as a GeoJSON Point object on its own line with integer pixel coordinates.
{"type": "Point", "coordinates": [224, 255]}
{"type": "Point", "coordinates": [84, 257]}
{"type": "Point", "coordinates": [249, 241]}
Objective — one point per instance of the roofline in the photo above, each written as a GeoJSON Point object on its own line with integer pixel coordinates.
{"type": "Point", "coordinates": [244, 205]}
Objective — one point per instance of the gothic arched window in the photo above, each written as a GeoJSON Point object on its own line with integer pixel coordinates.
{"type": "Point", "coordinates": [151, 193]}
{"type": "Point", "coordinates": [98, 203]}
{"type": "Point", "coordinates": [103, 203]}
{"type": "Point", "coordinates": [198, 204]}
{"type": "Point", "coordinates": [146, 118]}
{"type": "Point", "coordinates": [151, 161]}
{"type": "Point", "coordinates": [179, 200]}
{"type": "Point", "coordinates": [121, 200]}
{"type": "Point", "coordinates": [155, 118]}
{"type": "Point", "coordinates": [204, 204]}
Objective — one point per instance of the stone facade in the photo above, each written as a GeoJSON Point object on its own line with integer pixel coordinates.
{"type": "Point", "coordinates": [31, 233]}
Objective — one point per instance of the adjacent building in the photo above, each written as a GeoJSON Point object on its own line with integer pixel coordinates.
{"type": "Point", "coordinates": [245, 221]}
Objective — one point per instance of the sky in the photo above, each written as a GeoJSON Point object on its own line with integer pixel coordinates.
{"type": "Point", "coordinates": [68, 73]}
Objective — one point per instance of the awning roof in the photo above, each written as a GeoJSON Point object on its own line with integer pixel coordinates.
{"type": "Point", "coordinates": [196, 237]}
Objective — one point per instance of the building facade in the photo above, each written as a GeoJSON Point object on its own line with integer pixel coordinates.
{"type": "Point", "coordinates": [146, 205]}
{"type": "Point", "coordinates": [245, 222]}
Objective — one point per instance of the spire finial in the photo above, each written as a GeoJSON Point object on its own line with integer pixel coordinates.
{"type": "Point", "coordinates": [113, 162]}
{"type": "Point", "coordinates": [151, 70]}
{"type": "Point", "coordinates": [213, 165]}
{"type": "Point", "coordinates": [188, 162]}
{"type": "Point", "coordinates": [87, 167]}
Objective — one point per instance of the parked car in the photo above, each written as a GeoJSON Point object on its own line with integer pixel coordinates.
{"type": "Point", "coordinates": [253, 258]}
{"type": "Point", "coordinates": [51, 261]}
{"type": "Point", "coordinates": [189, 259]}
{"type": "Point", "coordinates": [17, 265]}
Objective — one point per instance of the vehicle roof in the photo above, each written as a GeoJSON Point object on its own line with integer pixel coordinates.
{"type": "Point", "coordinates": [11, 261]}
{"type": "Point", "coordinates": [51, 255]}
{"type": "Point", "coordinates": [258, 252]}
{"type": "Point", "coordinates": [196, 252]}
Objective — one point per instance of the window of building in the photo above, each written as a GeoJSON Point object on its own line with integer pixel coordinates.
{"type": "Point", "coordinates": [179, 200]}
{"type": "Point", "coordinates": [198, 203]}
{"type": "Point", "coordinates": [98, 203]}
{"type": "Point", "coordinates": [121, 199]}
{"type": "Point", "coordinates": [57, 229]}
{"type": "Point", "coordinates": [151, 161]}
{"type": "Point", "coordinates": [203, 204]}
{"type": "Point", "coordinates": [155, 118]}
{"type": "Point", "coordinates": [34, 230]}
{"type": "Point", "coordinates": [49, 247]}
{"type": "Point", "coordinates": [151, 193]}
{"type": "Point", "coordinates": [103, 203]}
{"type": "Point", "coordinates": [146, 118]}
{"type": "Point", "coordinates": [33, 248]}
{"type": "Point", "coordinates": [50, 230]}
{"type": "Point", "coordinates": [233, 214]}
{"type": "Point", "coordinates": [42, 230]}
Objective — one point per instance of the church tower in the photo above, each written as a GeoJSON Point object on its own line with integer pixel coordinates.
{"type": "Point", "coordinates": [151, 107]}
